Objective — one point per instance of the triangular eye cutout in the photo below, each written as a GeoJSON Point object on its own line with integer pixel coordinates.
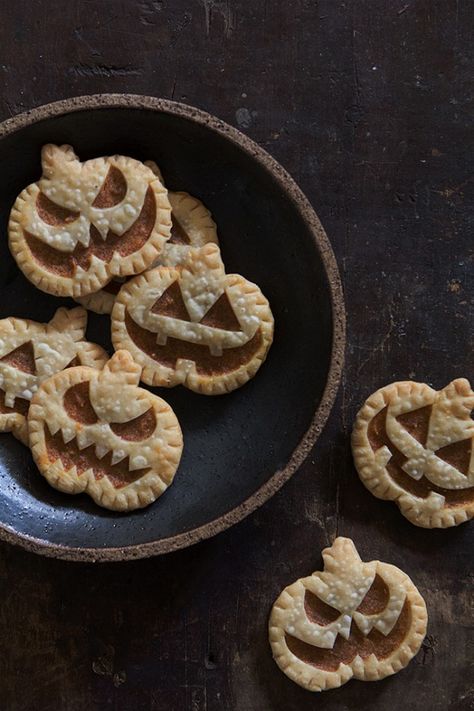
{"type": "Point", "coordinates": [221, 315]}
{"type": "Point", "coordinates": [417, 422]}
{"type": "Point", "coordinates": [22, 358]}
{"type": "Point", "coordinates": [178, 234]}
{"type": "Point", "coordinates": [458, 454]}
{"type": "Point", "coordinates": [171, 304]}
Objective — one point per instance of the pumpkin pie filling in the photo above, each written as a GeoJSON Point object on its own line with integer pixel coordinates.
{"type": "Point", "coordinates": [83, 459]}
{"type": "Point", "coordinates": [52, 213]}
{"type": "Point", "coordinates": [417, 422]}
{"type": "Point", "coordinates": [113, 190]}
{"type": "Point", "coordinates": [344, 651]}
{"type": "Point", "coordinates": [78, 406]}
{"type": "Point", "coordinates": [65, 264]}
{"type": "Point", "coordinates": [22, 358]}
{"type": "Point", "coordinates": [176, 349]}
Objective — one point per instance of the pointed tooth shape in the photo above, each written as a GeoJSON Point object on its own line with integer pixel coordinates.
{"type": "Point", "coordinates": [137, 462]}
{"type": "Point", "coordinates": [53, 426]}
{"type": "Point", "coordinates": [84, 439]}
{"type": "Point", "coordinates": [161, 339]}
{"type": "Point", "coordinates": [345, 627]}
{"type": "Point", "coordinates": [101, 450]}
{"type": "Point", "coordinates": [68, 434]}
{"type": "Point", "coordinates": [117, 456]}
{"type": "Point", "coordinates": [84, 238]}
{"type": "Point", "coordinates": [9, 400]}
{"type": "Point", "coordinates": [364, 623]}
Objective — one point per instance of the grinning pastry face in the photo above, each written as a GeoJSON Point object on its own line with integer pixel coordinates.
{"type": "Point", "coordinates": [191, 226]}
{"type": "Point", "coordinates": [365, 620]}
{"type": "Point", "coordinates": [83, 223]}
{"type": "Point", "coordinates": [96, 431]}
{"type": "Point", "coordinates": [414, 445]}
{"type": "Point", "coordinates": [194, 325]}
{"type": "Point", "coordinates": [30, 352]}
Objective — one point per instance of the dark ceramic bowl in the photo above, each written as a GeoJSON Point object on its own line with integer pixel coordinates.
{"type": "Point", "coordinates": [239, 448]}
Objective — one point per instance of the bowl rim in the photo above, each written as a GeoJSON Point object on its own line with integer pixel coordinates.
{"type": "Point", "coordinates": [321, 413]}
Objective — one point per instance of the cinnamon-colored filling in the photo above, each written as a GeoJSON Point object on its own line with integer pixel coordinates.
{"type": "Point", "coordinates": [20, 406]}
{"type": "Point", "coordinates": [318, 611]}
{"type": "Point", "coordinates": [85, 459]}
{"type": "Point", "coordinates": [113, 190]}
{"type": "Point", "coordinates": [78, 405]}
{"type": "Point", "coordinates": [22, 358]}
{"type": "Point", "coordinates": [459, 452]}
{"type": "Point", "coordinates": [54, 214]}
{"type": "Point", "coordinates": [178, 234]}
{"type": "Point", "coordinates": [175, 349]}
{"type": "Point", "coordinates": [376, 598]}
{"type": "Point", "coordinates": [375, 601]}
{"type": "Point", "coordinates": [171, 303]}
{"type": "Point", "coordinates": [220, 315]}
{"type": "Point", "coordinates": [138, 429]}
{"type": "Point", "coordinates": [64, 264]}
{"type": "Point", "coordinates": [344, 651]}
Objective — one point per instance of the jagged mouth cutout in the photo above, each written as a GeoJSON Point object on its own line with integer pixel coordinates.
{"type": "Point", "coordinates": [111, 194]}
{"type": "Point", "coordinates": [344, 651]}
{"type": "Point", "coordinates": [78, 406]}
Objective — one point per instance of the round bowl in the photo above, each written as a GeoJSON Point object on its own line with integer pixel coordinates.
{"type": "Point", "coordinates": [241, 447]}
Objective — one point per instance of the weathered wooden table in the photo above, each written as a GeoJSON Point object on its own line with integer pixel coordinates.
{"type": "Point", "coordinates": [365, 102]}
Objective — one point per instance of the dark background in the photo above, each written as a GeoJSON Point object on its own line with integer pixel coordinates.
{"type": "Point", "coordinates": [366, 103]}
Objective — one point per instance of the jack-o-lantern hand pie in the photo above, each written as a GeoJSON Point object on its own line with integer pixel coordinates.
{"type": "Point", "coordinates": [414, 445]}
{"type": "Point", "coordinates": [354, 619]}
{"type": "Point", "coordinates": [31, 352]}
{"type": "Point", "coordinates": [81, 224]}
{"type": "Point", "coordinates": [191, 226]}
{"type": "Point", "coordinates": [96, 431]}
{"type": "Point", "coordinates": [194, 325]}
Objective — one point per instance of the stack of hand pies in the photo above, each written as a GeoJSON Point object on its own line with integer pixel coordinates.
{"type": "Point", "coordinates": [108, 233]}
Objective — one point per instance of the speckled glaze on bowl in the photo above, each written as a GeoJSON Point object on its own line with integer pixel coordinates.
{"type": "Point", "coordinates": [239, 448]}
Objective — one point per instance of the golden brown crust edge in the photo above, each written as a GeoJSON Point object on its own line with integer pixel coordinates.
{"type": "Point", "coordinates": [369, 668]}
{"type": "Point", "coordinates": [158, 375]}
{"type": "Point", "coordinates": [137, 494]}
{"type": "Point", "coordinates": [372, 474]}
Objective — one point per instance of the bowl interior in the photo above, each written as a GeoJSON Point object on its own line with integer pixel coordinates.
{"type": "Point", "coordinates": [233, 443]}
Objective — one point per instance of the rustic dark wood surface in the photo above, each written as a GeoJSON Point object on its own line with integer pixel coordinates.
{"type": "Point", "coordinates": [366, 103]}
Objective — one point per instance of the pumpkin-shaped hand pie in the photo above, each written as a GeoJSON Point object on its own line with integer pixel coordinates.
{"type": "Point", "coordinates": [97, 432]}
{"type": "Point", "coordinates": [194, 325]}
{"type": "Point", "coordinates": [191, 226]}
{"type": "Point", "coordinates": [354, 619]}
{"type": "Point", "coordinates": [414, 445]}
{"type": "Point", "coordinates": [30, 352]}
{"type": "Point", "coordinates": [81, 224]}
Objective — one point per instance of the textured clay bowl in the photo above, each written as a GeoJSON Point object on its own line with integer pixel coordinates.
{"type": "Point", "coordinates": [239, 448]}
